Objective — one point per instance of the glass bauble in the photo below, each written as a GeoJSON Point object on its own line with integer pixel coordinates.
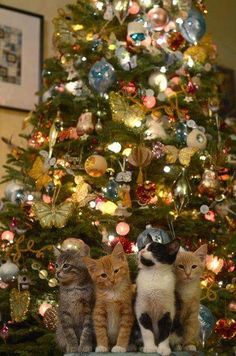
{"type": "Point", "coordinates": [158, 18]}
{"type": "Point", "coordinates": [157, 235]}
{"type": "Point", "coordinates": [102, 76]}
{"type": "Point", "coordinates": [193, 27]}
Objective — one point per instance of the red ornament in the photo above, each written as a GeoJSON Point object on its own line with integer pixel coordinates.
{"type": "Point", "coordinates": [191, 88]}
{"type": "Point", "coordinates": [37, 140]}
{"type": "Point", "coordinates": [226, 328]}
{"type": "Point", "coordinates": [210, 216]}
{"type": "Point", "coordinates": [126, 243]}
{"type": "Point", "coordinates": [146, 193]}
{"type": "Point", "coordinates": [4, 332]}
{"type": "Point", "coordinates": [51, 267]}
{"type": "Point", "coordinates": [175, 41]}
{"type": "Point", "coordinates": [229, 266]}
{"type": "Point", "coordinates": [128, 88]}
{"type": "Point", "coordinates": [149, 101]}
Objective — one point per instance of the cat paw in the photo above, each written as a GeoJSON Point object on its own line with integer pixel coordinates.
{"type": "Point", "coordinates": [101, 349]}
{"type": "Point", "coordinates": [118, 348]}
{"type": "Point", "coordinates": [85, 348]}
{"type": "Point", "coordinates": [190, 348]}
{"type": "Point", "coordinates": [150, 349]}
{"type": "Point", "coordinates": [178, 347]}
{"type": "Point", "coordinates": [164, 350]}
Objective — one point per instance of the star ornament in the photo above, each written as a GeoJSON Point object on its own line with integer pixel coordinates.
{"type": "Point", "coordinates": [188, 99]}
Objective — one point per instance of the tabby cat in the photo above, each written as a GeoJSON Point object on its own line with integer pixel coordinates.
{"type": "Point", "coordinates": [189, 267]}
{"type": "Point", "coordinates": [113, 314]}
{"type": "Point", "coordinates": [155, 301]}
{"type": "Point", "coordinates": [77, 298]}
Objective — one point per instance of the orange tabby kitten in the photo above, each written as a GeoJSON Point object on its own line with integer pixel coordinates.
{"type": "Point", "coordinates": [188, 267]}
{"type": "Point", "coordinates": [113, 314]}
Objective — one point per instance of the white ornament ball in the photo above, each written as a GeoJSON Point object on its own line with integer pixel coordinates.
{"type": "Point", "coordinates": [197, 139]}
{"type": "Point", "coordinates": [8, 271]}
{"type": "Point", "coordinates": [11, 189]}
{"type": "Point", "coordinates": [158, 80]}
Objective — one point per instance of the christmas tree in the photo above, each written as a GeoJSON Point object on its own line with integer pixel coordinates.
{"type": "Point", "coordinates": [128, 139]}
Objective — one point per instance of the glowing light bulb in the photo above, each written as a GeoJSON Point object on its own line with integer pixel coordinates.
{"type": "Point", "coordinates": [127, 152]}
{"type": "Point", "coordinates": [166, 169]}
{"type": "Point", "coordinates": [122, 228]}
{"type": "Point", "coordinates": [114, 147]}
{"type": "Point", "coordinates": [138, 123]}
{"type": "Point", "coordinates": [111, 237]}
{"type": "Point", "coordinates": [8, 235]}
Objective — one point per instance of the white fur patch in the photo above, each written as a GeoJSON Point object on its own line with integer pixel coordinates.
{"type": "Point", "coordinates": [118, 349]}
{"type": "Point", "coordinates": [101, 349]}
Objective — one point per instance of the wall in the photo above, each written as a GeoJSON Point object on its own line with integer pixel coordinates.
{"type": "Point", "coordinates": [11, 120]}
{"type": "Point", "coordinates": [220, 22]}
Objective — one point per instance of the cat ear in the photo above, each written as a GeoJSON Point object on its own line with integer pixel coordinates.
{"type": "Point", "coordinates": [201, 252]}
{"type": "Point", "coordinates": [85, 251]}
{"type": "Point", "coordinates": [173, 246]}
{"type": "Point", "coordinates": [118, 251]}
{"type": "Point", "coordinates": [90, 263]}
{"type": "Point", "coordinates": [148, 239]}
{"type": "Point", "coordinates": [56, 251]}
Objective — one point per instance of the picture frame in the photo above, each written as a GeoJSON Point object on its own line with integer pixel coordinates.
{"type": "Point", "coordinates": [21, 58]}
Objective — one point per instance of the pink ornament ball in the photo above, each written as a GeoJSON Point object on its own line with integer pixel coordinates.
{"type": "Point", "coordinates": [134, 8]}
{"type": "Point", "coordinates": [7, 235]}
{"type": "Point", "coordinates": [122, 228]}
{"type": "Point", "coordinates": [149, 101]}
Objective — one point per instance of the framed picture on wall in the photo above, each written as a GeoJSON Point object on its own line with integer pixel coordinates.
{"type": "Point", "coordinates": [21, 55]}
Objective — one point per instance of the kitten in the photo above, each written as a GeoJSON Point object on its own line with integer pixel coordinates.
{"type": "Point", "coordinates": [113, 314]}
{"type": "Point", "coordinates": [155, 302]}
{"type": "Point", "coordinates": [189, 267]}
{"type": "Point", "coordinates": [77, 297]}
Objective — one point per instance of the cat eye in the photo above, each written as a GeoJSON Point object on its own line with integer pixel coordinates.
{"type": "Point", "coordinates": [66, 266]}
{"type": "Point", "coordinates": [116, 270]}
{"type": "Point", "coordinates": [56, 265]}
{"type": "Point", "coordinates": [181, 266]}
{"type": "Point", "coordinates": [194, 266]}
{"type": "Point", "coordinates": [103, 275]}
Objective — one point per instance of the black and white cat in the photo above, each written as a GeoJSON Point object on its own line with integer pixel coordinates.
{"type": "Point", "coordinates": [155, 300]}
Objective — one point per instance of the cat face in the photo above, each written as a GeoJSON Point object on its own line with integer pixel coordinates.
{"type": "Point", "coordinates": [109, 271]}
{"type": "Point", "coordinates": [189, 266]}
{"type": "Point", "coordinates": [158, 254]}
{"type": "Point", "coordinates": [70, 268]}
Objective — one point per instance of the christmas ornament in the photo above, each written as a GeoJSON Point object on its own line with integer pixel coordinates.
{"type": "Point", "coordinates": [37, 140]}
{"type": "Point", "coordinates": [101, 76]}
{"type": "Point", "coordinates": [141, 157]}
{"type": "Point", "coordinates": [124, 195]}
{"type": "Point", "coordinates": [122, 228]}
{"type": "Point", "coordinates": [39, 172]}
{"type": "Point", "coordinates": [226, 328]}
{"type": "Point", "coordinates": [181, 191]}
{"type": "Point", "coordinates": [98, 126]}
{"type": "Point", "coordinates": [149, 101]}
{"type": "Point", "coordinates": [81, 191]}
{"type": "Point", "coordinates": [134, 8]}
{"type": "Point", "coordinates": [214, 263]}
{"type": "Point", "coordinates": [124, 176]}
{"type": "Point", "coordinates": [146, 193]}
{"type": "Point", "coordinates": [181, 132]}
{"type": "Point", "coordinates": [72, 243]}
{"type": "Point", "coordinates": [193, 27]}
{"type": "Point", "coordinates": [114, 147]}
{"type": "Point", "coordinates": [85, 124]}
{"type": "Point", "coordinates": [184, 155]}
{"type": "Point", "coordinates": [126, 244]}
{"type": "Point", "coordinates": [128, 87]}
{"type": "Point", "coordinates": [14, 192]}
{"type": "Point", "coordinates": [207, 322]}
{"type": "Point", "coordinates": [53, 282]}
{"type": "Point", "coordinates": [43, 274]}
{"type": "Point", "coordinates": [158, 18]}
{"type": "Point", "coordinates": [210, 216]}
{"type": "Point", "coordinates": [122, 111]}
{"type": "Point", "coordinates": [137, 32]}
{"type": "Point", "coordinates": [122, 211]}
{"type": "Point", "coordinates": [158, 150]}
{"type": "Point", "coordinates": [157, 234]}
{"type": "Point", "coordinates": [111, 190]}
{"type": "Point", "coordinates": [50, 318]}
{"type": "Point", "coordinates": [107, 207]}
{"type": "Point", "coordinates": [8, 271]}
{"type": "Point", "coordinates": [120, 8]}
{"type": "Point", "coordinates": [175, 41]}
{"type": "Point", "coordinates": [19, 303]}
{"type": "Point", "coordinates": [56, 127]}
{"type": "Point", "coordinates": [95, 166]}
{"type": "Point", "coordinates": [4, 332]}
{"type": "Point", "coordinates": [197, 139]}
{"type": "Point", "coordinates": [52, 215]}
{"type": "Point", "coordinates": [155, 129]}
{"type": "Point", "coordinates": [209, 184]}
{"type": "Point", "coordinates": [23, 282]}
{"type": "Point", "coordinates": [158, 81]}
{"type": "Point", "coordinates": [44, 307]}
{"type": "Point", "coordinates": [8, 236]}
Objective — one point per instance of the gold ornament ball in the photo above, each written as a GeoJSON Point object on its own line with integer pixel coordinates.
{"type": "Point", "coordinates": [197, 139]}
{"type": "Point", "coordinates": [50, 318]}
{"type": "Point", "coordinates": [72, 244]}
{"type": "Point", "coordinates": [43, 274]}
{"type": "Point", "coordinates": [95, 166]}
{"type": "Point", "coordinates": [52, 282]}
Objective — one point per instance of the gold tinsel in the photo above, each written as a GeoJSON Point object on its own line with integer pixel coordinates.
{"type": "Point", "coordinates": [19, 303]}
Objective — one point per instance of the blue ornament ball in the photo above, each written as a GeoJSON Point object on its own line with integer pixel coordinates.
{"type": "Point", "coordinates": [193, 27]}
{"type": "Point", "coordinates": [207, 322]}
{"type": "Point", "coordinates": [158, 235]}
{"type": "Point", "coordinates": [181, 132]}
{"type": "Point", "coordinates": [102, 76]}
{"type": "Point", "coordinates": [111, 190]}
